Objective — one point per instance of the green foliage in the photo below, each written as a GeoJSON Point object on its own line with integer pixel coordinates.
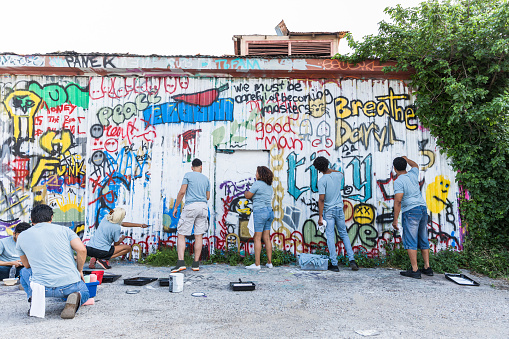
{"type": "Point", "coordinates": [166, 256]}
{"type": "Point", "coordinates": [282, 257]}
{"type": "Point", "coordinates": [233, 257]}
{"type": "Point", "coordinates": [493, 262]}
{"type": "Point", "coordinates": [458, 51]}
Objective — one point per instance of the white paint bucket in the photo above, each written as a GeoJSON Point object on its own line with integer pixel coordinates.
{"type": "Point", "coordinates": [176, 282]}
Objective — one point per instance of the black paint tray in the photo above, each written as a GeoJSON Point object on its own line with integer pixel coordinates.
{"type": "Point", "coordinates": [242, 286]}
{"type": "Point", "coordinates": [164, 282]}
{"type": "Point", "coordinates": [461, 279]}
{"type": "Point", "coordinates": [139, 281]}
{"type": "Point", "coordinates": [109, 278]}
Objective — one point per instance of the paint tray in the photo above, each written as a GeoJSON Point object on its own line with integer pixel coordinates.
{"type": "Point", "coordinates": [164, 282]}
{"type": "Point", "coordinates": [242, 286]}
{"type": "Point", "coordinates": [139, 281]}
{"type": "Point", "coordinates": [461, 279]}
{"type": "Point", "coordinates": [109, 278]}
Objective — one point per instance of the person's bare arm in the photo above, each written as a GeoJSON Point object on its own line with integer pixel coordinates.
{"type": "Point", "coordinates": [248, 194]}
{"type": "Point", "coordinates": [16, 263]}
{"type": "Point", "coordinates": [321, 202]}
{"type": "Point", "coordinates": [81, 254]}
{"type": "Point", "coordinates": [397, 209]}
{"type": "Point", "coordinates": [24, 260]}
{"type": "Point", "coordinates": [132, 224]}
{"type": "Point", "coordinates": [180, 196]}
{"type": "Point", "coordinates": [411, 163]}
{"type": "Point", "coordinates": [208, 195]}
{"type": "Point", "coordinates": [120, 240]}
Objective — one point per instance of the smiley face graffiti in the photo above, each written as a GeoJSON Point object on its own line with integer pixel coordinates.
{"type": "Point", "coordinates": [436, 194]}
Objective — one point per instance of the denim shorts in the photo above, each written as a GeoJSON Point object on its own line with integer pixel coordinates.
{"type": "Point", "coordinates": [415, 228]}
{"type": "Point", "coordinates": [263, 219]}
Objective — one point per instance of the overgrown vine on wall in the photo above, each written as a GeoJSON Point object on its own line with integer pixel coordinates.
{"type": "Point", "coordinates": [458, 52]}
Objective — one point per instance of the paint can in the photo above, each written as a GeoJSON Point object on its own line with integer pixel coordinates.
{"type": "Point", "coordinates": [176, 282]}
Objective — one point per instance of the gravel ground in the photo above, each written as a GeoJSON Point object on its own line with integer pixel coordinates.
{"type": "Point", "coordinates": [287, 302]}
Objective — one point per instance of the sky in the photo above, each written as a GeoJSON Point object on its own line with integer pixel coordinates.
{"type": "Point", "coordinates": [169, 27]}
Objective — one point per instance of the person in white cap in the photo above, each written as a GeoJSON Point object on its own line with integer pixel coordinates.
{"type": "Point", "coordinates": [106, 243]}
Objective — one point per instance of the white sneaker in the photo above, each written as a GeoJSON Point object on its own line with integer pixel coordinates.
{"type": "Point", "coordinates": [269, 265]}
{"type": "Point", "coordinates": [253, 267]}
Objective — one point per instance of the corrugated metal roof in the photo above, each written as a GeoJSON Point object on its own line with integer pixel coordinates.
{"type": "Point", "coordinates": [318, 33]}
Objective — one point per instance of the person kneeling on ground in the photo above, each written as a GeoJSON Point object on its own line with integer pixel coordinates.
{"type": "Point", "coordinates": [46, 251]}
{"type": "Point", "coordinates": [8, 255]}
{"type": "Point", "coordinates": [100, 247]}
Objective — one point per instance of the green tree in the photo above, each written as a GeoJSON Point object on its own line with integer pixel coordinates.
{"type": "Point", "coordinates": [457, 54]}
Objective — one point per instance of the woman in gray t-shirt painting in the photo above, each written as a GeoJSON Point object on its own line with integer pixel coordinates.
{"type": "Point", "coordinates": [261, 194]}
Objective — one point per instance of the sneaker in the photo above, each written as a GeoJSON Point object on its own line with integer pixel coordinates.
{"type": "Point", "coordinates": [196, 266]}
{"type": "Point", "coordinates": [181, 266]}
{"type": "Point", "coordinates": [333, 268]}
{"type": "Point", "coordinates": [71, 306]}
{"type": "Point", "coordinates": [411, 274]}
{"type": "Point", "coordinates": [253, 267]}
{"type": "Point", "coordinates": [103, 264]}
{"type": "Point", "coordinates": [427, 271]}
{"type": "Point", "coordinates": [269, 265]}
{"type": "Point", "coordinates": [91, 264]}
{"type": "Point", "coordinates": [353, 265]}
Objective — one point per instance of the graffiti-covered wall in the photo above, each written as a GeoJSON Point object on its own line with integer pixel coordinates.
{"type": "Point", "coordinates": [84, 145]}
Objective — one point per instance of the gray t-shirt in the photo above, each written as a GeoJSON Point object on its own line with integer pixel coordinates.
{"type": "Point", "coordinates": [330, 185]}
{"type": "Point", "coordinates": [408, 184]}
{"type": "Point", "coordinates": [8, 250]}
{"type": "Point", "coordinates": [48, 250]}
{"type": "Point", "coordinates": [105, 235]}
{"type": "Point", "coordinates": [262, 195]}
{"type": "Point", "coordinates": [197, 187]}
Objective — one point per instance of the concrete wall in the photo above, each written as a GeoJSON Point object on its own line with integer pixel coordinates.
{"type": "Point", "coordinates": [84, 145]}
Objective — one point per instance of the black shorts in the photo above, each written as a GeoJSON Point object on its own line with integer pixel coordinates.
{"type": "Point", "coordinates": [100, 254]}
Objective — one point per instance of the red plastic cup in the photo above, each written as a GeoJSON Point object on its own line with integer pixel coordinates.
{"type": "Point", "coordinates": [99, 275]}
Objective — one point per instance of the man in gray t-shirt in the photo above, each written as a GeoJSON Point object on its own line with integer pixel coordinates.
{"type": "Point", "coordinates": [196, 189]}
{"type": "Point", "coordinates": [330, 208]}
{"type": "Point", "coordinates": [8, 255]}
{"type": "Point", "coordinates": [46, 251]}
{"type": "Point", "coordinates": [408, 200]}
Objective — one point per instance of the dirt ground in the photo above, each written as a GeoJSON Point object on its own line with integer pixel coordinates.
{"type": "Point", "coordinates": [288, 302]}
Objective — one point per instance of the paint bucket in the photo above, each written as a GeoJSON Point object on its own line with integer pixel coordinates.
{"type": "Point", "coordinates": [176, 282]}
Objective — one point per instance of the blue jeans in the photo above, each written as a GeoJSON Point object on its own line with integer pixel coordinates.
{"type": "Point", "coordinates": [415, 228]}
{"type": "Point", "coordinates": [55, 292]}
{"type": "Point", "coordinates": [5, 270]}
{"type": "Point", "coordinates": [263, 219]}
{"type": "Point", "coordinates": [335, 218]}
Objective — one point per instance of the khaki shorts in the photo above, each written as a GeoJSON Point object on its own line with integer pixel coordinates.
{"type": "Point", "coordinates": [194, 214]}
